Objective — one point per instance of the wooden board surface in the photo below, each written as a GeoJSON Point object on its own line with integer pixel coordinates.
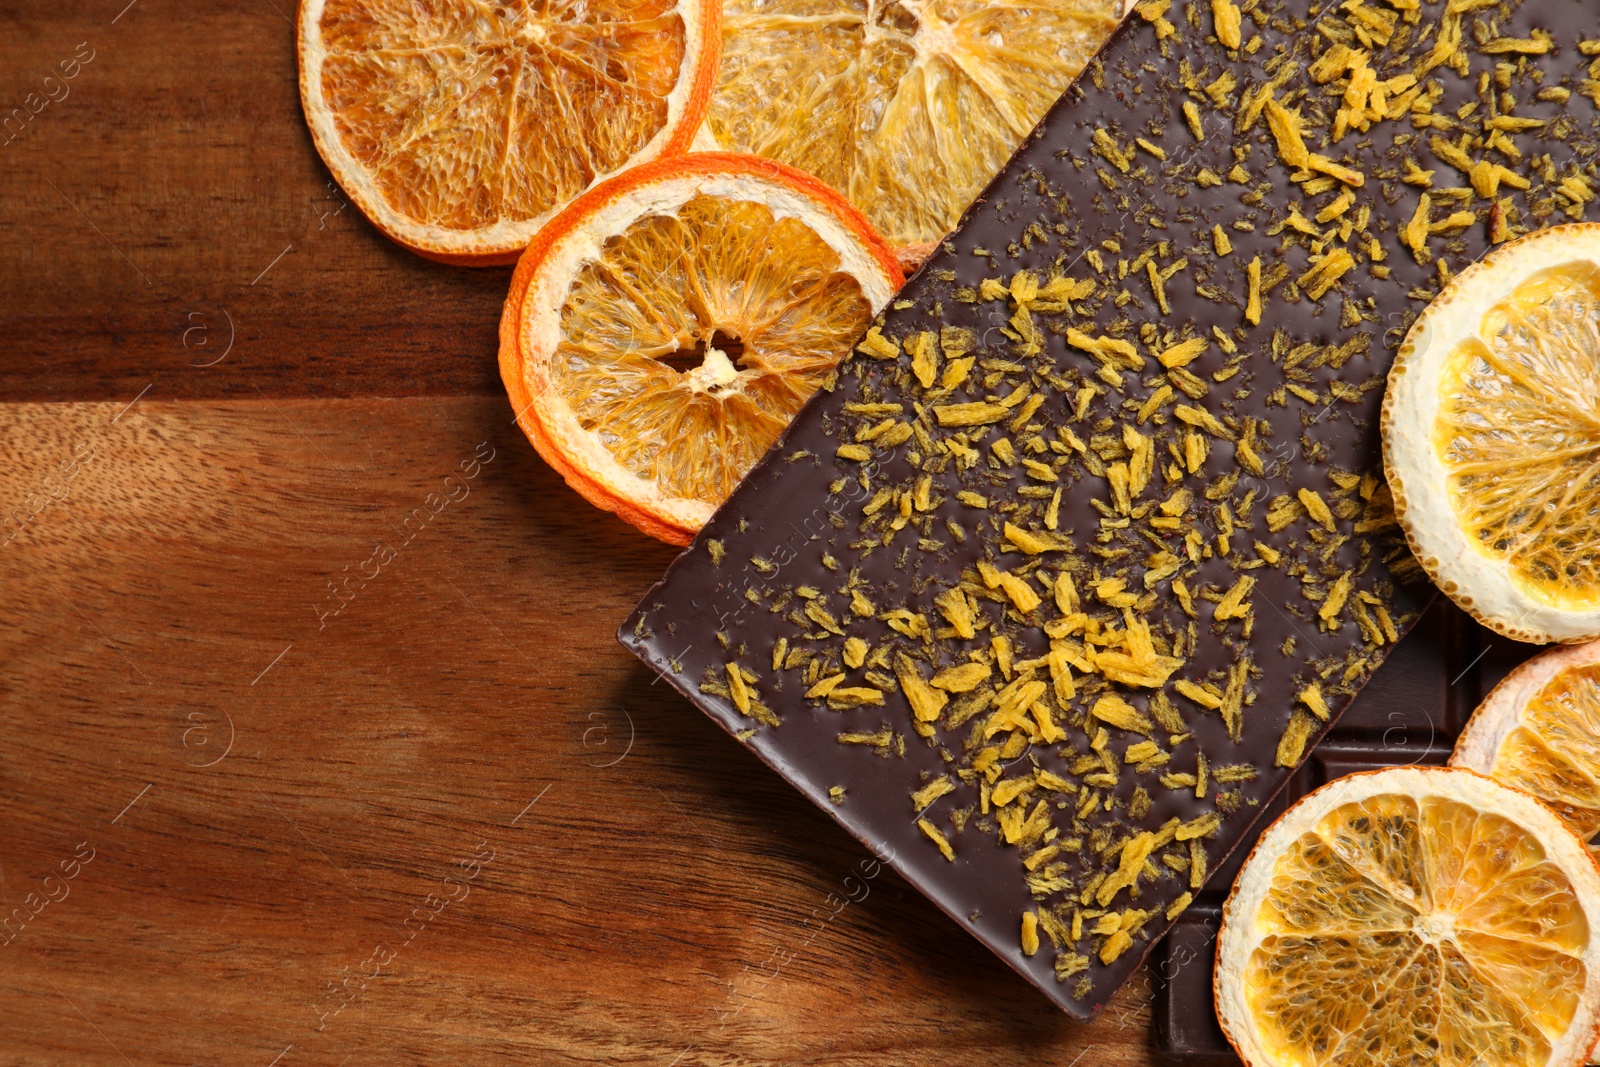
{"type": "Point", "coordinates": [271, 772]}
{"type": "Point", "coordinates": [436, 815]}
{"type": "Point", "coordinates": [170, 207]}
{"type": "Point", "coordinates": [274, 794]}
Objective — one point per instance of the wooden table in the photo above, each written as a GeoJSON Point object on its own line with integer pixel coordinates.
{"type": "Point", "coordinates": [315, 743]}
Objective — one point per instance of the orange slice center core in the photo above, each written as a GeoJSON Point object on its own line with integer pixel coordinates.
{"type": "Point", "coordinates": [1401, 930]}
{"type": "Point", "coordinates": [691, 341]}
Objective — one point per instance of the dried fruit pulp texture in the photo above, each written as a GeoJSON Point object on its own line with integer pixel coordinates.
{"type": "Point", "coordinates": [468, 114]}
{"type": "Point", "coordinates": [1554, 752]}
{"type": "Point", "coordinates": [1400, 931]}
{"type": "Point", "coordinates": [1519, 433]}
{"type": "Point", "coordinates": [908, 107]}
{"type": "Point", "coordinates": [674, 288]}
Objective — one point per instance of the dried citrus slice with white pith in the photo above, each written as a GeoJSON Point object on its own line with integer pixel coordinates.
{"type": "Point", "coordinates": [662, 331]}
{"type": "Point", "coordinates": [1418, 916]}
{"type": "Point", "coordinates": [908, 107]}
{"type": "Point", "coordinates": [1491, 437]}
{"type": "Point", "coordinates": [460, 128]}
{"type": "Point", "coordinates": [1539, 731]}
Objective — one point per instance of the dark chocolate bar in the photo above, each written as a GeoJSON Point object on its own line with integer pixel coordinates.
{"type": "Point", "coordinates": [1087, 545]}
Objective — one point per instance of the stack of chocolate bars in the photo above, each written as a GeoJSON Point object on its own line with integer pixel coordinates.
{"type": "Point", "coordinates": [1088, 544]}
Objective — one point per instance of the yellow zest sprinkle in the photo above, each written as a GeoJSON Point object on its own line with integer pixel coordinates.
{"type": "Point", "coordinates": [1183, 353]}
{"type": "Point", "coordinates": [1228, 22]}
{"type": "Point", "coordinates": [937, 838]}
{"type": "Point", "coordinates": [1316, 507]}
{"type": "Point", "coordinates": [1117, 712]}
{"type": "Point", "coordinates": [1204, 697]}
{"type": "Point", "coordinates": [1158, 283]}
{"type": "Point", "coordinates": [736, 689]}
{"type": "Point", "coordinates": [1334, 602]}
{"type": "Point", "coordinates": [1204, 826]}
{"type": "Point", "coordinates": [924, 357]}
{"type": "Point", "coordinates": [1233, 604]}
{"type": "Point", "coordinates": [1115, 946]}
{"type": "Point", "coordinates": [877, 346]}
{"type": "Point", "coordinates": [1020, 592]}
{"type": "Point", "coordinates": [1134, 853]}
{"type": "Point", "coordinates": [1202, 419]}
{"type": "Point", "coordinates": [1108, 350]}
{"type": "Point", "coordinates": [978, 414]}
{"type": "Point", "coordinates": [956, 371]}
{"type": "Point", "coordinates": [1252, 311]}
{"type": "Point", "coordinates": [1030, 933]}
{"type": "Point", "coordinates": [931, 792]}
{"type": "Point", "coordinates": [1285, 126]}
{"type": "Point", "coordinates": [1325, 271]}
{"type": "Point", "coordinates": [842, 698]}
{"type": "Point", "coordinates": [1292, 746]}
{"type": "Point", "coordinates": [971, 499]}
{"type": "Point", "coordinates": [1027, 542]}
{"type": "Point", "coordinates": [926, 702]}
{"type": "Point", "coordinates": [1106, 145]}
{"type": "Point", "coordinates": [962, 679]}
{"type": "Point", "coordinates": [825, 686]}
{"type": "Point", "coordinates": [1324, 165]}
{"type": "Point", "coordinates": [1311, 697]}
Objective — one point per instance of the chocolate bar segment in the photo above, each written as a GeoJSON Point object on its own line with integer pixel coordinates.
{"type": "Point", "coordinates": [1087, 545]}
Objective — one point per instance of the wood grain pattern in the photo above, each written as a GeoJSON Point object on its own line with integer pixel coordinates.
{"type": "Point", "coordinates": [171, 200]}
{"type": "Point", "coordinates": [275, 794]}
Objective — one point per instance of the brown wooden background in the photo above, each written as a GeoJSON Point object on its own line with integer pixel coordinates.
{"type": "Point", "coordinates": [279, 705]}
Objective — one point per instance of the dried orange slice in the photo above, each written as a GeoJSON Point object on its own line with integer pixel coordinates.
{"type": "Point", "coordinates": [1491, 437]}
{"type": "Point", "coordinates": [1420, 916]}
{"type": "Point", "coordinates": [1539, 731]}
{"type": "Point", "coordinates": [459, 128]}
{"type": "Point", "coordinates": [908, 107]}
{"type": "Point", "coordinates": [663, 330]}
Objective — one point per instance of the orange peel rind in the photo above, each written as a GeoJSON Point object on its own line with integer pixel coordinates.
{"type": "Point", "coordinates": [665, 328]}
{"type": "Point", "coordinates": [1491, 437]}
{"type": "Point", "coordinates": [1413, 915]}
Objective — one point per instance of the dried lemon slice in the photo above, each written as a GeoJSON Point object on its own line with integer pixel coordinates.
{"type": "Point", "coordinates": [460, 127]}
{"type": "Point", "coordinates": [1413, 916]}
{"type": "Point", "coordinates": [1539, 731]}
{"type": "Point", "coordinates": [662, 331]}
{"type": "Point", "coordinates": [908, 107]}
{"type": "Point", "coordinates": [1491, 437]}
